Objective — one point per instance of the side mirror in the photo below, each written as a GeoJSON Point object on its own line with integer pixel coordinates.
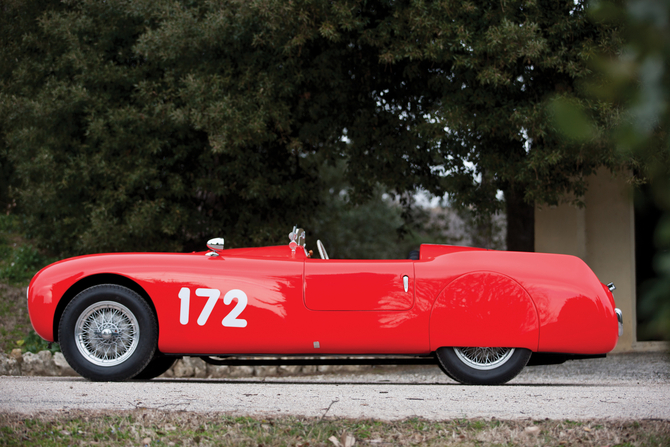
{"type": "Point", "coordinates": [215, 244]}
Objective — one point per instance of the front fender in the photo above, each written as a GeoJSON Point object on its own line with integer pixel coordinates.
{"type": "Point", "coordinates": [484, 309]}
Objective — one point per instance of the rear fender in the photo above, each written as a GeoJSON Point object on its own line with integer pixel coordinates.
{"type": "Point", "coordinates": [484, 309]}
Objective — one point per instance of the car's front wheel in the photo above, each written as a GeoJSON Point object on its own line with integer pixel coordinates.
{"type": "Point", "coordinates": [482, 366]}
{"type": "Point", "coordinates": [157, 366]}
{"type": "Point", "coordinates": [108, 333]}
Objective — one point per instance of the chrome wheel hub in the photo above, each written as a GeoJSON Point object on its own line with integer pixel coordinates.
{"type": "Point", "coordinates": [107, 333]}
{"type": "Point", "coordinates": [484, 358]}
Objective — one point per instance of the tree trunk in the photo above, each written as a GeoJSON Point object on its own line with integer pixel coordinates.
{"type": "Point", "coordinates": [520, 222]}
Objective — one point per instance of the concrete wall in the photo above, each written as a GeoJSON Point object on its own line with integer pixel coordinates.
{"type": "Point", "coordinates": [603, 235]}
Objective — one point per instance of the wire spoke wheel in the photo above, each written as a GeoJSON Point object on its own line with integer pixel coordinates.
{"type": "Point", "coordinates": [107, 333]}
{"type": "Point", "coordinates": [482, 366]}
{"type": "Point", "coordinates": [484, 359]}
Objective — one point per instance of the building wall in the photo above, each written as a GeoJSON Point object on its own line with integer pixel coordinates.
{"type": "Point", "coordinates": [603, 235]}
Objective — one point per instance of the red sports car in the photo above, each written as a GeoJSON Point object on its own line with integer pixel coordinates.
{"type": "Point", "coordinates": [481, 315]}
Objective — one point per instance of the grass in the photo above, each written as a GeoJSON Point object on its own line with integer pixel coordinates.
{"type": "Point", "coordinates": [14, 320]}
{"type": "Point", "coordinates": [157, 428]}
{"type": "Point", "coordinates": [19, 261]}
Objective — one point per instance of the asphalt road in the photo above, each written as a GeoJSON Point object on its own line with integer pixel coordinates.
{"type": "Point", "coordinates": [627, 386]}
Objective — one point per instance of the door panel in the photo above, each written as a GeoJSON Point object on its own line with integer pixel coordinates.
{"type": "Point", "coordinates": [332, 285]}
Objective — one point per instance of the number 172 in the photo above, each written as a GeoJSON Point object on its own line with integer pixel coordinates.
{"type": "Point", "coordinates": [213, 296]}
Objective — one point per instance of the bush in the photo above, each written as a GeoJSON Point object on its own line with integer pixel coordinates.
{"type": "Point", "coordinates": [34, 343]}
{"type": "Point", "coordinates": [19, 261]}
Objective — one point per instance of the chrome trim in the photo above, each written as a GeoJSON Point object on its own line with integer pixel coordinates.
{"type": "Point", "coordinates": [322, 249]}
{"type": "Point", "coordinates": [611, 286]}
{"type": "Point", "coordinates": [405, 282]}
{"type": "Point", "coordinates": [619, 317]}
{"type": "Point", "coordinates": [296, 238]}
{"type": "Point", "coordinates": [211, 254]}
{"type": "Point", "coordinates": [484, 359]}
{"type": "Point", "coordinates": [107, 333]}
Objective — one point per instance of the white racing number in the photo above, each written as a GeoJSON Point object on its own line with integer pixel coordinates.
{"type": "Point", "coordinates": [213, 296]}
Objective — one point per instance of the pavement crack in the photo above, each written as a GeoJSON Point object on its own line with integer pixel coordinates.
{"type": "Point", "coordinates": [328, 409]}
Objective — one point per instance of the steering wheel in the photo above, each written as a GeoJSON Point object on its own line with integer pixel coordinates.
{"type": "Point", "coordinates": [322, 250]}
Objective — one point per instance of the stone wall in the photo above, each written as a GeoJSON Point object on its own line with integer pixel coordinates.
{"type": "Point", "coordinates": [29, 364]}
{"type": "Point", "coordinates": [196, 367]}
{"type": "Point", "coordinates": [45, 364]}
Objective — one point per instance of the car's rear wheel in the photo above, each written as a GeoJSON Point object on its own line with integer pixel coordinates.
{"type": "Point", "coordinates": [482, 366]}
{"type": "Point", "coordinates": [108, 332]}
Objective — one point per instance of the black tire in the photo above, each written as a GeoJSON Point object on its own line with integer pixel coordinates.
{"type": "Point", "coordinates": [482, 366]}
{"type": "Point", "coordinates": [157, 366]}
{"type": "Point", "coordinates": [108, 333]}
{"type": "Point", "coordinates": [444, 370]}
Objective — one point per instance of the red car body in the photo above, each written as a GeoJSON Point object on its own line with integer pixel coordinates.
{"type": "Point", "coordinates": [278, 301]}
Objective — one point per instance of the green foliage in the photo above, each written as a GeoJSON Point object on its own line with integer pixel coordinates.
{"type": "Point", "coordinates": [21, 265]}
{"type": "Point", "coordinates": [12, 338]}
{"type": "Point", "coordinates": [637, 80]}
{"type": "Point", "coordinates": [368, 231]}
{"type": "Point", "coordinates": [34, 343]}
{"type": "Point", "coordinates": [572, 119]}
{"type": "Point", "coordinates": [485, 231]}
{"type": "Point", "coordinates": [19, 261]}
{"type": "Point", "coordinates": [154, 125]}
{"type": "Point", "coordinates": [111, 149]}
{"type": "Point", "coordinates": [380, 228]}
{"type": "Point", "coordinates": [14, 319]}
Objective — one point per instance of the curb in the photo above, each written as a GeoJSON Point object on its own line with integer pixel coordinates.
{"type": "Point", "coordinates": [46, 364]}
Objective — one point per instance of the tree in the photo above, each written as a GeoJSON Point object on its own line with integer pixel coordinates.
{"type": "Point", "coordinates": [108, 156]}
{"type": "Point", "coordinates": [460, 88]}
{"type": "Point", "coordinates": [447, 96]}
{"type": "Point", "coordinates": [637, 80]}
{"type": "Point", "coordinates": [379, 228]}
{"type": "Point", "coordinates": [16, 18]}
{"type": "Point", "coordinates": [129, 123]}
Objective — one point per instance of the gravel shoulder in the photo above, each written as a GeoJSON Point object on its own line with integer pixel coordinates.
{"type": "Point", "coordinates": [623, 386]}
